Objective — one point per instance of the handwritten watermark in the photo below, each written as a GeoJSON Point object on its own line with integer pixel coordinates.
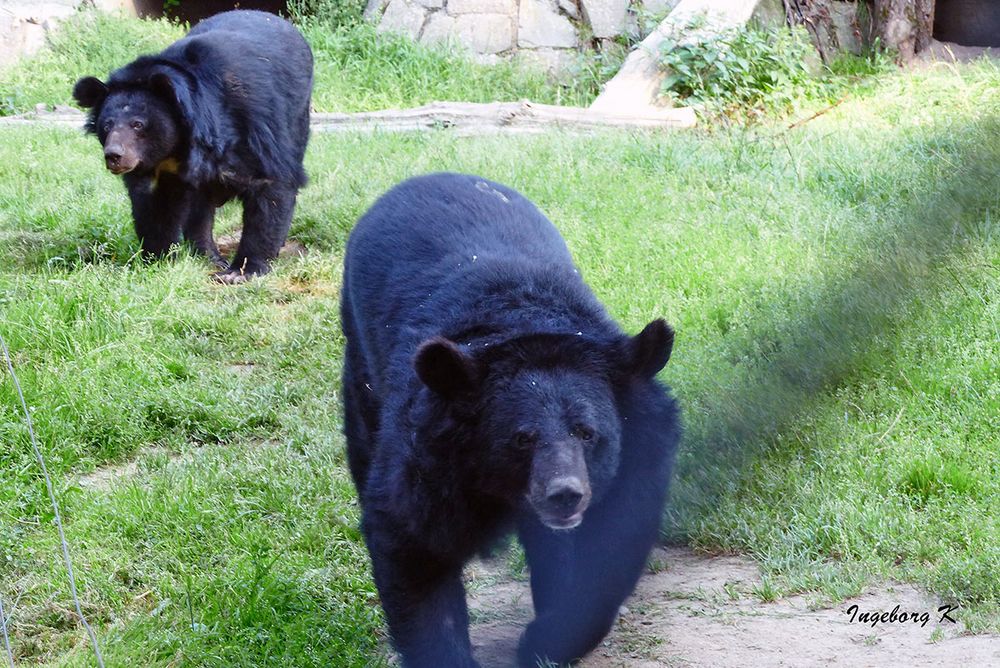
{"type": "Point", "coordinates": [897, 616]}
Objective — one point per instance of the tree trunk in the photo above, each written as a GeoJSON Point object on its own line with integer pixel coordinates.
{"type": "Point", "coordinates": [904, 25]}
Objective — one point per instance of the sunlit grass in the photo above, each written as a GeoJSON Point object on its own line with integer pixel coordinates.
{"type": "Point", "coordinates": [834, 288]}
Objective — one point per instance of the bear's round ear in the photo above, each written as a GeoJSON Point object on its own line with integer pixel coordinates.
{"type": "Point", "coordinates": [161, 85]}
{"type": "Point", "coordinates": [649, 350]}
{"type": "Point", "coordinates": [444, 368]}
{"type": "Point", "coordinates": [89, 92]}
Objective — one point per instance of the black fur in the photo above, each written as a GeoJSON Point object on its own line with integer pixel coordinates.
{"type": "Point", "coordinates": [486, 390]}
{"type": "Point", "coordinates": [221, 113]}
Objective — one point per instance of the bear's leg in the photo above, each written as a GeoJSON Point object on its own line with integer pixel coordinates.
{"type": "Point", "coordinates": [267, 215]}
{"type": "Point", "coordinates": [550, 556]}
{"type": "Point", "coordinates": [158, 210]}
{"type": "Point", "coordinates": [360, 411]}
{"type": "Point", "coordinates": [424, 603]}
{"type": "Point", "coordinates": [198, 228]}
{"type": "Point", "coordinates": [580, 588]}
{"type": "Point", "coordinates": [581, 595]}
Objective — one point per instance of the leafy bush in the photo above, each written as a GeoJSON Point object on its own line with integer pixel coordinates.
{"type": "Point", "coordinates": [332, 13]}
{"type": "Point", "coordinates": [753, 67]}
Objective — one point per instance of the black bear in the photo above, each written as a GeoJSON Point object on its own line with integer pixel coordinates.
{"type": "Point", "coordinates": [221, 113]}
{"type": "Point", "coordinates": [487, 390]}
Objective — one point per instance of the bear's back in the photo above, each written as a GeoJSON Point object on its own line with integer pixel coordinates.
{"type": "Point", "coordinates": [447, 253]}
{"type": "Point", "coordinates": [248, 43]}
{"type": "Point", "coordinates": [429, 228]}
{"type": "Point", "coordinates": [260, 26]}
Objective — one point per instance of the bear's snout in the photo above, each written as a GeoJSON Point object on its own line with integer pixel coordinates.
{"type": "Point", "coordinates": [118, 158]}
{"type": "Point", "coordinates": [566, 498]}
{"type": "Point", "coordinates": [560, 488]}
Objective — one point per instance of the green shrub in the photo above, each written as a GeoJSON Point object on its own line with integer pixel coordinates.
{"type": "Point", "coordinates": [926, 478]}
{"type": "Point", "coordinates": [332, 13]}
{"type": "Point", "coordinates": [751, 67]}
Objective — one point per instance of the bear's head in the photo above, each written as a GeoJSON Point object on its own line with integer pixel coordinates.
{"type": "Point", "coordinates": [138, 125]}
{"type": "Point", "coordinates": [541, 413]}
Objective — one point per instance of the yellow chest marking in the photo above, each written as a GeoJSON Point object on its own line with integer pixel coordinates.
{"type": "Point", "coordinates": [168, 166]}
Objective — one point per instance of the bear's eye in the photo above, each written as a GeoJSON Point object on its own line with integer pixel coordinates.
{"type": "Point", "coordinates": [137, 125]}
{"type": "Point", "coordinates": [583, 433]}
{"type": "Point", "coordinates": [525, 439]}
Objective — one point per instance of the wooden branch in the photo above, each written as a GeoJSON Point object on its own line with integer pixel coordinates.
{"type": "Point", "coordinates": [817, 114]}
{"type": "Point", "coordinates": [518, 117]}
{"type": "Point", "coordinates": [466, 118]}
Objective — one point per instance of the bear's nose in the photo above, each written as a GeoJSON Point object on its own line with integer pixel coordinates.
{"type": "Point", "coordinates": [564, 494]}
{"type": "Point", "coordinates": [112, 157]}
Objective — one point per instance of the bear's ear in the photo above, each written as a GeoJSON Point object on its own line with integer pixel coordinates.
{"type": "Point", "coordinates": [649, 350]}
{"type": "Point", "coordinates": [89, 92]}
{"type": "Point", "coordinates": [444, 368]}
{"type": "Point", "coordinates": [162, 85]}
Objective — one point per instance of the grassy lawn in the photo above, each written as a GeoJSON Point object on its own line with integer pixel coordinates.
{"type": "Point", "coordinates": [835, 290]}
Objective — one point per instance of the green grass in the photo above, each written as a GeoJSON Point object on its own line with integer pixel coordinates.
{"type": "Point", "coordinates": [835, 290]}
{"type": "Point", "coordinates": [355, 68]}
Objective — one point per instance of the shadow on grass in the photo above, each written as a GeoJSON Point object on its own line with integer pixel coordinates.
{"type": "Point", "coordinates": [791, 363]}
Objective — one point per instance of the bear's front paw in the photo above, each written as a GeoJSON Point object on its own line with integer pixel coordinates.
{"type": "Point", "coordinates": [231, 277]}
{"type": "Point", "coordinates": [236, 276]}
{"type": "Point", "coordinates": [536, 645]}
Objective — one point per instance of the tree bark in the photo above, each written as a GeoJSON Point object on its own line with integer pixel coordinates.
{"type": "Point", "coordinates": [904, 25]}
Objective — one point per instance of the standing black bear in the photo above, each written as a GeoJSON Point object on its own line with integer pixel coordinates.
{"type": "Point", "coordinates": [221, 113]}
{"type": "Point", "coordinates": [487, 390]}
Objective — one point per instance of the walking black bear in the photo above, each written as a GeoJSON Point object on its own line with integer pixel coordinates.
{"type": "Point", "coordinates": [486, 390]}
{"type": "Point", "coordinates": [221, 113]}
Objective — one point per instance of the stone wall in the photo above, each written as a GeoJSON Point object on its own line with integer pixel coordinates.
{"type": "Point", "coordinates": [544, 31]}
{"type": "Point", "coordinates": [24, 24]}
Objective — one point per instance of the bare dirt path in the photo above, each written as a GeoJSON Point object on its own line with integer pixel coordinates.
{"type": "Point", "coordinates": [698, 611]}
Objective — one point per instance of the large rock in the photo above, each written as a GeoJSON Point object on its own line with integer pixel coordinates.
{"type": "Point", "coordinates": [459, 7]}
{"type": "Point", "coordinates": [484, 33]}
{"type": "Point", "coordinates": [606, 17]}
{"type": "Point", "coordinates": [403, 18]}
{"type": "Point", "coordinates": [658, 8]}
{"type": "Point", "coordinates": [539, 24]}
{"type": "Point", "coordinates": [25, 25]}
{"type": "Point", "coordinates": [559, 64]}
{"type": "Point", "coordinates": [438, 29]}
{"type": "Point", "coordinates": [845, 30]}
{"type": "Point", "coordinates": [570, 8]}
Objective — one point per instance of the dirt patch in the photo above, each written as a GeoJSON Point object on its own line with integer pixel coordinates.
{"type": "Point", "coordinates": [228, 244]}
{"type": "Point", "coordinates": [696, 611]}
{"type": "Point", "coordinates": [949, 52]}
{"type": "Point", "coordinates": [104, 478]}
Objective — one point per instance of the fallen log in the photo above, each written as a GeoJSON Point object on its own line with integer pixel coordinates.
{"type": "Point", "coordinates": [465, 118]}
{"type": "Point", "coordinates": [486, 118]}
